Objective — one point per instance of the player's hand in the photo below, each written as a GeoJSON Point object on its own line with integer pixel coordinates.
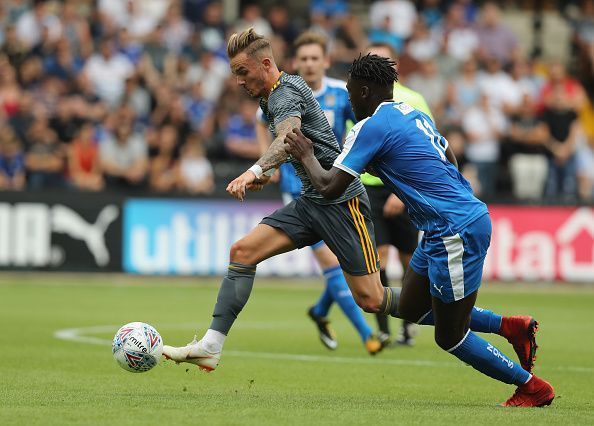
{"type": "Point", "coordinates": [258, 184]}
{"type": "Point", "coordinates": [393, 207]}
{"type": "Point", "coordinates": [298, 145]}
{"type": "Point", "coordinates": [238, 186]}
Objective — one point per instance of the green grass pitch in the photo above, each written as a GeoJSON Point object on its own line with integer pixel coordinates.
{"type": "Point", "coordinates": [273, 371]}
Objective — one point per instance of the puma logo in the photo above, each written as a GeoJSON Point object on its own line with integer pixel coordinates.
{"type": "Point", "coordinates": [67, 221]}
{"type": "Point", "coordinates": [438, 289]}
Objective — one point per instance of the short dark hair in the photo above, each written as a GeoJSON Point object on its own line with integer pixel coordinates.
{"type": "Point", "coordinates": [374, 69]}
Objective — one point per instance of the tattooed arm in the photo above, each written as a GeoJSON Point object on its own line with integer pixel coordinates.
{"type": "Point", "coordinates": [277, 152]}
{"type": "Point", "coordinates": [275, 155]}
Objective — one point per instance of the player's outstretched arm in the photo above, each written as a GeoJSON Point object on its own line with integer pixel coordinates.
{"type": "Point", "coordinates": [330, 183]}
{"type": "Point", "coordinates": [259, 174]}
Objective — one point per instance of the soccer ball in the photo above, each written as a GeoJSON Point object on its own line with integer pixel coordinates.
{"type": "Point", "coordinates": [137, 347]}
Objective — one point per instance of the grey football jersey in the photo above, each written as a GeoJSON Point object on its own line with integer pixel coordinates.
{"type": "Point", "coordinates": [292, 97]}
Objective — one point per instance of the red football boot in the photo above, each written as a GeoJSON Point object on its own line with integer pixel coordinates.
{"type": "Point", "coordinates": [536, 393]}
{"type": "Point", "coordinates": [520, 331]}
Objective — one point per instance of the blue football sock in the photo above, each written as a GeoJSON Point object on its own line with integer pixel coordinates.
{"type": "Point", "coordinates": [487, 359]}
{"type": "Point", "coordinates": [339, 289]}
{"type": "Point", "coordinates": [324, 303]}
{"type": "Point", "coordinates": [481, 320]}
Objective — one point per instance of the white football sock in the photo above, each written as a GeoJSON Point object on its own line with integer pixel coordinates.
{"type": "Point", "coordinates": [213, 341]}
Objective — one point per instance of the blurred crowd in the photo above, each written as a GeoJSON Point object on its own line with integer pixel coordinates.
{"type": "Point", "coordinates": [136, 95]}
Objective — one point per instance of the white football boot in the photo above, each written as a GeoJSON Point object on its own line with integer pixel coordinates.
{"type": "Point", "coordinates": [193, 353]}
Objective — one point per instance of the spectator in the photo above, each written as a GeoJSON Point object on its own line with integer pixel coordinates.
{"type": "Point", "coordinates": [124, 159]}
{"type": "Point", "coordinates": [432, 85]}
{"type": "Point", "coordinates": [75, 27]}
{"type": "Point", "coordinates": [251, 16]}
{"type": "Point", "coordinates": [212, 72]}
{"type": "Point", "coordinates": [495, 39]}
{"type": "Point", "coordinates": [198, 109]}
{"type": "Point", "coordinates": [108, 72]}
{"type": "Point", "coordinates": [176, 29]}
{"type": "Point", "coordinates": [62, 63]}
{"type": "Point", "coordinates": [137, 98]}
{"type": "Point", "coordinates": [213, 31]}
{"type": "Point", "coordinates": [12, 162]}
{"type": "Point", "coordinates": [163, 167]}
{"type": "Point", "coordinates": [281, 23]}
{"type": "Point", "coordinates": [525, 147]}
{"type": "Point", "coordinates": [563, 129]}
{"type": "Point", "coordinates": [559, 83]}
{"type": "Point", "coordinates": [83, 161]}
{"type": "Point", "coordinates": [65, 122]}
{"type": "Point", "coordinates": [498, 86]}
{"type": "Point", "coordinates": [44, 158]}
{"type": "Point", "coordinates": [459, 39]}
{"type": "Point", "coordinates": [402, 14]}
{"type": "Point", "coordinates": [423, 45]}
{"type": "Point", "coordinates": [10, 91]}
{"type": "Point", "coordinates": [327, 14]}
{"type": "Point", "coordinates": [22, 121]}
{"type": "Point", "coordinates": [484, 125]}
{"type": "Point", "coordinates": [195, 171]}
{"type": "Point", "coordinates": [431, 13]}
{"type": "Point", "coordinates": [241, 142]}
{"type": "Point", "coordinates": [32, 23]}
{"type": "Point", "coordinates": [382, 34]}
{"type": "Point", "coordinates": [15, 50]}
{"type": "Point", "coordinates": [462, 93]}
{"type": "Point", "coordinates": [156, 51]}
{"type": "Point", "coordinates": [130, 48]}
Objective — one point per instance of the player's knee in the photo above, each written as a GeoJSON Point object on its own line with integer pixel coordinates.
{"type": "Point", "coordinates": [368, 303]}
{"type": "Point", "coordinates": [447, 339]}
{"type": "Point", "coordinates": [241, 253]}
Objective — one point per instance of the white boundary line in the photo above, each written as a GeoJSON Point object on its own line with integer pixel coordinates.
{"type": "Point", "coordinates": [79, 335]}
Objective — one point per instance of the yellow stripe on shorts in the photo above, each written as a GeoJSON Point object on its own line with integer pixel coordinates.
{"type": "Point", "coordinates": [372, 257]}
{"type": "Point", "coordinates": [351, 204]}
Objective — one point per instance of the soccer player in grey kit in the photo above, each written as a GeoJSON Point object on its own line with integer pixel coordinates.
{"type": "Point", "coordinates": [343, 223]}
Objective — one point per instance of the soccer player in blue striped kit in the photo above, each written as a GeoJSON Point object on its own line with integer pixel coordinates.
{"type": "Point", "coordinates": [311, 61]}
{"type": "Point", "coordinates": [402, 147]}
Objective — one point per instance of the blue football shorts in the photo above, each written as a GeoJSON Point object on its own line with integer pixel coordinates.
{"type": "Point", "coordinates": [454, 264]}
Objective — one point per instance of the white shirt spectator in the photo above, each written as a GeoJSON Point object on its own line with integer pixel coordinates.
{"type": "Point", "coordinates": [116, 10]}
{"type": "Point", "coordinates": [195, 170]}
{"type": "Point", "coordinates": [483, 125]}
{"type": "Point", "coordinates": [499, 88]}
{"type": "Point", "coordinates": [108, 75]}
{"type": "Point", "coordinates": [461, 43]}
{"type": "Point", "coordinates": [402, 14]}
{"type": "Point", "coordinates": [29, 28]}
{"type": "Point", "coordinates": [212, 74]}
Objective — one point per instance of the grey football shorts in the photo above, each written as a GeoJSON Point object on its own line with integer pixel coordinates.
{"type": "Point", "coordinates": [346, 228]}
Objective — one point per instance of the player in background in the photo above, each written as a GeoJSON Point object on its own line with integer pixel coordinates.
{"type": "Point", "coordinates": [343, 223]}
{"type": "Point", "coordinates": [401, 145]}
{"type": "Point", "coordinates": [311, 62]}
{"type": "Point", "coordinates": [390, 219]}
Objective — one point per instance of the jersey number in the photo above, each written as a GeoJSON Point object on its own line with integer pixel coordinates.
{"type": "Point", "coordinates": [436, 140]}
